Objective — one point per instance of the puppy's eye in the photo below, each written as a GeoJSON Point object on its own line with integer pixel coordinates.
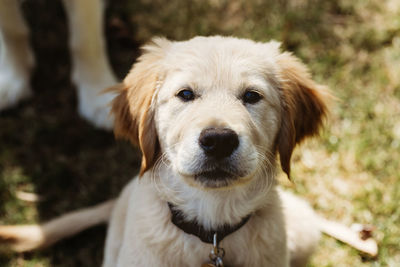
{"type": "Point", "coordinates": [251, 97]}
{"type": "Point", "coordinates": [186, 95]}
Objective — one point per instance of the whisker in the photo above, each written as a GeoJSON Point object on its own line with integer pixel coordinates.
{"type": "Point", "coordinates": [163, 188]}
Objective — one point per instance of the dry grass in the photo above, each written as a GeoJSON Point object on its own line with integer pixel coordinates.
{"type": "Point", "coordinates": [350, 174]}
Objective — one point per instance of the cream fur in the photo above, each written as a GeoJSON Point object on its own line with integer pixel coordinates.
{"type": "Point", "coordinates": [282, 231]}
{"type": "Point", "coordinates": [218, 70]}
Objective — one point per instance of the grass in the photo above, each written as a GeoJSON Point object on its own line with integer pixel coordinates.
{"type": "Point", "coordinates": [350, 174]}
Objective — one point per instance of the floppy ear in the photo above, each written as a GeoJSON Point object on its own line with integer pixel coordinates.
{"type": "Point", "coordinates": [303, 108]}
{"type": "Point", "coordinates": [132, 109]}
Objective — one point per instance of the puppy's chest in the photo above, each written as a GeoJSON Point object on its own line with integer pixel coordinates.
{"type": "Point", "coordinates": [185, 250]}
{"type": "Point", "coordinates": [234, 255]}
{"type": "Point", "coordinates": [200, 256]}
{"type": "Point", "coordinates": [174, 247]}
{"type": "Point", "coordinates": [151, 233]}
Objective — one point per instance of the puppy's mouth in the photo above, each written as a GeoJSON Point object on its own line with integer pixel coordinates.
{"type": "Point", "coordinates": [216, 178]}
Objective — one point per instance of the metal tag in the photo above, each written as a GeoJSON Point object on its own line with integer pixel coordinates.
{"type": "Point", "coordinates": [216, 254]}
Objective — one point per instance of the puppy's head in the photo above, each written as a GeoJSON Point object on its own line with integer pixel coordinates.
{"type": "Point", "coordinates": [218, 109]}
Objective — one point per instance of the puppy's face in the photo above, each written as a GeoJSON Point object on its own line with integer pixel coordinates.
{"type": "Point", "coordinates": [217, 109]}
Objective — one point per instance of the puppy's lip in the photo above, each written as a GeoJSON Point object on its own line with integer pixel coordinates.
{"type": "Point", "coordinates": [216, 174]}
{"type": "Point", "coordinates": [216, 178]}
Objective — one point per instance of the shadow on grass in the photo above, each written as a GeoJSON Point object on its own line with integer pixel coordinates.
{"type": "Point", "coordinates": [67, 162]}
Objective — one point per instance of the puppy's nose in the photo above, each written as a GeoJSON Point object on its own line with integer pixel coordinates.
{"type": "Point", "coordinates": [218, 142]}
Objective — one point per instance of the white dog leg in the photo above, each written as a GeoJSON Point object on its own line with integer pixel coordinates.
{"type": "Point", "coordinates": [16, 58]}
{"type": "Point", "coordinates": [91, 70]}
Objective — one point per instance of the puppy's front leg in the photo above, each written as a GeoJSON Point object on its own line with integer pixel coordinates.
{"type": "Point", "coordinates": [16, 58]}
{"type": "Point", "coordinates": [91, 70]}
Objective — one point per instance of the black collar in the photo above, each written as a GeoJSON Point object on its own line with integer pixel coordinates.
{"type": "Point", "coordinates": [194, 228]}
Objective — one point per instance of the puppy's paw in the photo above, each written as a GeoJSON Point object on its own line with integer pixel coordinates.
{"type": "Point", "coordinates": [21, 238]}
{"type": "Point", "coordinates": [13, 89]}
{"type": "Point", "coordinates": [94, 105]}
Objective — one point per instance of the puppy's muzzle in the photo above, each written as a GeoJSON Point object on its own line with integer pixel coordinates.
{"type": "Point", "coordinates": [218, 143]}
{"type": "Point", "coordinates": [218, 167]}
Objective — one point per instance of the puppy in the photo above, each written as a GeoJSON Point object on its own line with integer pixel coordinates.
{"type": "Point", "coordinates": [91, 70]}
{"type": "Point", "coordinates": [210, 116]}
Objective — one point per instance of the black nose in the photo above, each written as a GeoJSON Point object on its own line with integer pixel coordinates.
{"type": "Point", "coordinates": [218, 142]}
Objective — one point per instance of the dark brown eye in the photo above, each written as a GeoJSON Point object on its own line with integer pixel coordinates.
{"type": "Point", "coordinates": [251, 97]}
{"type": "Point", "coordinates": [186, 95]}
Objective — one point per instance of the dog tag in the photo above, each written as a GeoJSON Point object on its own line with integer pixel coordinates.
{"type": "Point", "coordinates": [216, 254]}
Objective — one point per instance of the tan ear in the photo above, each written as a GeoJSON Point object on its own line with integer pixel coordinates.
{"type": "Point", "coordinates": [303, 108]}
{"type": "Point", "coordinates": [132, 109]}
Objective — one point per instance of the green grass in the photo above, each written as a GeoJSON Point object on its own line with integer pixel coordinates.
{"type": "Point", "coordinates": [350, 174]}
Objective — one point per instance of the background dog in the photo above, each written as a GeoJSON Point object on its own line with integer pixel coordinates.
{"type": "Point", "coordinates": [91, 70]}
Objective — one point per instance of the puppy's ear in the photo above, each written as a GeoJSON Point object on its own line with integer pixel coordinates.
{"type": "Point", "coordinates": [132, 109]}
{"type": "Point", "coordinates": [303, 109]}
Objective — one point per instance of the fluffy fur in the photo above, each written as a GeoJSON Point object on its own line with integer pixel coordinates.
{"type": "Point", "coordinates": [149, 112]}
{"type": "Point", "coordinates": [283, 230]}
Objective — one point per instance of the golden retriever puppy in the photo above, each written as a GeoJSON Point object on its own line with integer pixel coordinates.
{"type": "Point", "coordinates": [210, 116]}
